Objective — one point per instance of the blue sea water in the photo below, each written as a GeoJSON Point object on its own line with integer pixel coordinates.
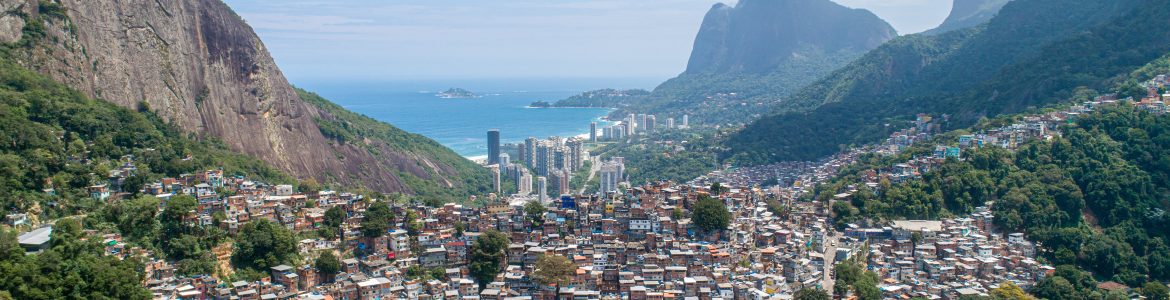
{"type": "Point", "coordinates": [462, 124]}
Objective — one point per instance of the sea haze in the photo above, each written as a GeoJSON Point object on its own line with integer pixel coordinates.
{"type": "Point", "coordinates": [462, 124]}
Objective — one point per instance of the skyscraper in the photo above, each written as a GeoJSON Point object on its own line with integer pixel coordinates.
{"type": "Point", "coordinates": [642, 124]}
{"type": "Point", "coordinates": [577, 153]}
{"type": "Point", "coordinates": [496, 183]}
{"type": "Point", "coordinates": [612, 173]}
{"type": "Point", "coordinates": [686, 122]}
{"type": "Point", "coordinates": [524, 184]}
{"type": "Point", "coordinates": [521, 153]}
{"type": "Point", "coordinates": [592, 131]}
{"type": "Point", "coordinates": [631, 125]}
{"type": "Point", "coordinates": [544, 158]}
{"type": "Point", "coordinates": [669, 123]}
{"type": "Point", "coordinates": [542, 188]}
{"type": "Point", "coordinates": [530, 152]}
{"type": "Point", "coordinates": [651, 123]}
{"type": "Point", "coordinates": [493, 146]}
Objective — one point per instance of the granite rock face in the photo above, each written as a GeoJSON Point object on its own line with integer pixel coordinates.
{"type": "Point", "coordinates": [198, 64]}
{"type": "Point", "coordinates": [969, 13]}
{"type": "Point", "coordinates": [757, 36]}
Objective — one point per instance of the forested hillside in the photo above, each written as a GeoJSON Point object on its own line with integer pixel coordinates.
{"type": "Point", "coordinates": [55, 142]}
{"type": "Point", "coordinates": [1033, 53]}
{"type": "Point", "coordinates": [1095, 198]}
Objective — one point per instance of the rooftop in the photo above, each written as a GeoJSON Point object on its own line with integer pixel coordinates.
{"type": "Point", "coordinates": [36, 237]}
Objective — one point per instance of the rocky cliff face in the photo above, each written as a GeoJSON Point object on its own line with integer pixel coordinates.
{"type": "Point", "coordinates": [199, 65]}
{"type": "Point", "coordinates": [747, 58]}
{"type": "Point", "coordinates": [757, 36]}
{"type": "Point", "coordinates": [969, 13]}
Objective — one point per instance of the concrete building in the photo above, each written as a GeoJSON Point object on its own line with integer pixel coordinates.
{"type": "Point", "coordinates": [493, 139]}
{"type": "Point", "coordinates": [592, 131]}
{"type": "Point", "coordinates": [542, 188]}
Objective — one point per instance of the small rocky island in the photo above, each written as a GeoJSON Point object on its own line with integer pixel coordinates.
{"type": "Point", "coordinates": [456, 93]}
{"type": "Point", "coordinates": [540, 104]}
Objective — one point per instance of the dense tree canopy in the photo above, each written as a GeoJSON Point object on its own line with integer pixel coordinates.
{"type": "Point", "coordinates": [487, 255]}
{"type": "Point", "coordinates": [263, 244]}
{"type": "Point", "coordinates": [552, 269]}
{"type": "Point", "coordinates": [811, 294]}
{"type": "Point", "coordinates": [71, 268]}
{"type": "Point", "coordinates": [377, 219]}
{"type": "Point", "coordinates": [711, 215]}
{"type": "Point", "coordinates": [327, 264]}
{"type": "Point", "coordinates": [1095, 197]}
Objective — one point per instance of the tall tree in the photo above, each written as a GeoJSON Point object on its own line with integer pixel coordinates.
{"type": "Point", "coordinates": [1010, 291]}
{"type": "Point", "coordinates": [1156, 291]}
{"type": "Point", "coordinates": [377, 219]}
{"type": "Point", "coordinates": [811, 294]}
{"type": "Point", "coordinates": [554, 269]}
{"type": "Point", "coordinates": [487, 255]}
{"type": "Point", "coordinates": [535, 212]}
{"type": "Point", "coordinates": [711, 215]}
{"type": "Point", "coordinates": [263, 244]}
{"type": "Point", "coordinates": [327, 265]}
{"type": "Point", "coordinates": [334, 216]}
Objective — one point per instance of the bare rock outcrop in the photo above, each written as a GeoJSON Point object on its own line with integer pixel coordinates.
{"type": "Point", "coordinates": [198, 64]}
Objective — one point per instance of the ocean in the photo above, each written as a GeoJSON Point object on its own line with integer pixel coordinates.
{"type": "Point", "coordinates": [462, 124]}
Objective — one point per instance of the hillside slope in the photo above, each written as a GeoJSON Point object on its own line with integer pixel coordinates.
{"type": "Point", "coordinates": [199, 65]}
{"type": "Point", "coordinates": [748, 56]}
{"type": "Point", "coordinates": [967, 14]}
{"type": "Point", "coordinates": [1033, 53]}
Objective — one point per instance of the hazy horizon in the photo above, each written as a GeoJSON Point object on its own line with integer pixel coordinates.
{"type": "Point", "coordinates": [639, 42]}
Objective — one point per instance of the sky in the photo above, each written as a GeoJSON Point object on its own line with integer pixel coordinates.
{"type": "Point", "coordinates": [644, 41]}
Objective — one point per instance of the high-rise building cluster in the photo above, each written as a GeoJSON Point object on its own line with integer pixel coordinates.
{"type": "Point", "coordinates": [635, 124]}
{"type": "Point", "coordinates": [548, 163]}
{"type": "Point", "coordinates": [612, 175]}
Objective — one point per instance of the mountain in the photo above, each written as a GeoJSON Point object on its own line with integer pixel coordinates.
{"type": "Point", "coordinates": [746, 56]}
{"type": "Point", "coordinates": [759, 36]}
{"type": "Point", "coordinates": [604, 98]}
{"type": "Point", "coordinates": [968, 13]}
{"type": "Point", "coordinates": [200, 66]}
{"type": "Point", "coordinates": [1033, 53]}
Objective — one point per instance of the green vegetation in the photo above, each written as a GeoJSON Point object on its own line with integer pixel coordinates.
{"type": "Point", "coordinates": [853, 277]}
{"type": "Point", "coordinates": [417, 272]}
{"type": "Point", "coordinates": [711, 215]}
{"type": "Point", "coordinates": [1096, 198]}
{"type": "Point", "coordinates": [1156, 291]}
{"type": "Point", "coordinates": [1032, 54]}
{"type": "Point", "coordinates": [52, 137]}
{"type": "Point", "coordinates": [736, 98]}
{"type": "Point", "coordinates": [578, 180]}
{"type": "Point", "coordinates": [263, 244]}
{"type": "Point", "coordinates": [1010, 291]}
{"type": "Point", "coordinates": [552, 269]}
{"type": "Point", "coordinates": [73, 268]}
{"type": "Point", "coordinates": [676, 155]}
{"type": "Point", "coordinates": [535, 212]}
{"type": "Point", "coordinates": [811, 293]}
{"type": "Point", "coordinates": [610, 98]}
{"type": "Point", "coordinates": [487, 257]}
{"type": "Point", "coordinates": [377, 219]}
{"type": "Point", "coordinates": [327, 264]}
{"type": "Point", "coordinates": [347, 127]}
